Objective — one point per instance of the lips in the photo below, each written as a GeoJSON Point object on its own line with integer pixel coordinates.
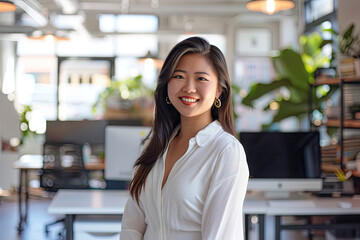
{"type": "Point", "coordinates": [188, 100]}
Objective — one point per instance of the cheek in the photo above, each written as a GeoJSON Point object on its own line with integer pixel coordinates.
{"type": "Point", "coordinates": [171, 89]}
{"type": "Point", "coordinates": [210, 92]}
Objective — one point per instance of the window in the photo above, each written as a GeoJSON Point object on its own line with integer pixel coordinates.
{"type": "Point", "coordinates": [317, 12]}
{"type": "Point", "coordinates": [80, 82]}
{"type": "Point", "coordinates": [62, 80]}
{"type": "Point", "coordinates": [128, 23]}
{"type": "Point", "coordinates": [36, 84]}
{"type": "Point", "coordinates": [315, 9]}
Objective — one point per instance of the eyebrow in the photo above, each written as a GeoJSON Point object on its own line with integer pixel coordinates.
{"type": "Point", "coordinates": [178, 70]}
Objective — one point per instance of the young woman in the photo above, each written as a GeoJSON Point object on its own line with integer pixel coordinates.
{"type": "Point", "coordinates": [191, 179]}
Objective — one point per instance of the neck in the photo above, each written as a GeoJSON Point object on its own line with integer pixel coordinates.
{"type": "Point", "coordinates": [189, 127]}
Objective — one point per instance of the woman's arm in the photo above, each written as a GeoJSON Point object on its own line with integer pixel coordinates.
{"type": "Point", "coordinates": [133, 224]}
{"type": "Point", "coordinates": [222, 215]}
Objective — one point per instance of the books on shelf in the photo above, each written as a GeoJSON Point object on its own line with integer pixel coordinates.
{"type": "Point", "coordinates": [330, 154]}
{"type": "Point", "coordinates": [346, 67]}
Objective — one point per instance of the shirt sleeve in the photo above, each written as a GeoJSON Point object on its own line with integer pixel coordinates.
{"type": "Point", "coordinates": [133, 224]}
{"type": "Point", "coordinates": [222, 215]}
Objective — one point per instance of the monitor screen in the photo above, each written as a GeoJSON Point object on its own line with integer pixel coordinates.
{"type": "Point", "coordinates": [282, 154]}
{"type": "Point", "coordinates": [289, 160]}
{"type": "Point", "coordinates": [80, 132]}
{"type": "Point", "coordinates": [122, 148]}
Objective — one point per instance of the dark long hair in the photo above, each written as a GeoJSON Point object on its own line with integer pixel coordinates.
{"type": "Point", "coordinates": [167, 117]}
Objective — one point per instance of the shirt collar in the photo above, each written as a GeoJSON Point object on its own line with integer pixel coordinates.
{"type": "Point", "coordinates": [206, 134]}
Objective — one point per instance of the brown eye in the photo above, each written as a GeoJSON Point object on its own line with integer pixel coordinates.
{"type": "Point", "coordinates": [202, 79]}
{"type": "Point", "coordinates": [178, 77]}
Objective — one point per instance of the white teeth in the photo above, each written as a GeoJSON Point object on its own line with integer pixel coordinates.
{"type": "Point", "coordinates": [188, 99]}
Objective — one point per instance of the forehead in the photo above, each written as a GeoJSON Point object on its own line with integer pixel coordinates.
{"type": "Point", "coordinates": [195, 61]}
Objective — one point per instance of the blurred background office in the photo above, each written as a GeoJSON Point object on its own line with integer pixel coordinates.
{"type": "Point", "coordinates": [85, 61]}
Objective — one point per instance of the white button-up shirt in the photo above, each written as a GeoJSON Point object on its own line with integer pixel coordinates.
{"type": "Point", "coordinates": [202, 197]}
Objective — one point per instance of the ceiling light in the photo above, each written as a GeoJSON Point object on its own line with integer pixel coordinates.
{"type": "Point", "coordinates": [148, 55]}
{"type": "Point", "coordinates": [270, 6]}
{"type": "Point", "coordinates": [6, 6]}
{"type": "Point", "coordinates": [151, 59]}
{"type": "Point", "coordinates": [48, 37]}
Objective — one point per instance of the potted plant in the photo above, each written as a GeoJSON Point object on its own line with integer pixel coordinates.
{"type": "Point", "coordinates": [349, 45]}
{"type": "Point", "coordinates": [128, 98]}
{"type": "Point", "coordinates": [295, 72]}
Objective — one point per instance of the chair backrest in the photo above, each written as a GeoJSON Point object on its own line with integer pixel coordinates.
{"type": "Point", "coordinates": [63, 167]}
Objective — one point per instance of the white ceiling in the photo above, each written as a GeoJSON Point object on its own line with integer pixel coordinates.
{"type": "Point", "coordinates": [206, 16]}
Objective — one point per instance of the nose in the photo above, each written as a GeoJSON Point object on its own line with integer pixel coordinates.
{"type": "Point", "coordinates": [189, 86]}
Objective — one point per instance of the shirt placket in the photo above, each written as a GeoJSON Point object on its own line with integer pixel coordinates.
{"type": "Point", "coordinates": [162, 190]}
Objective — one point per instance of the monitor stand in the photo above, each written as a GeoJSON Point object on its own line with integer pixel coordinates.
{"type": "Point", "coordinates": [276, 194]}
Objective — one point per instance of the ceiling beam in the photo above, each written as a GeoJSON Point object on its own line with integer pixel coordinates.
{"type": "Point", "coordinates": [167, 8]}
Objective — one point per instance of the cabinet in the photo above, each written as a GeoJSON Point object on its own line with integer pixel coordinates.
{"type": "Point", "coordinates": [342, 122]}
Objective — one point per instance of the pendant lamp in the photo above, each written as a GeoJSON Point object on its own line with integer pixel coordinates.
{"type": "Point", "coordinates": [151, 59]}
{"type": "Point", "coordinates": [48, 37]}
{"type": "Point", "coordinates": [7, 6]}
{"type": "Point", "coordinates": [270, 6]}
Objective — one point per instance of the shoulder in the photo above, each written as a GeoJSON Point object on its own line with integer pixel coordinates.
{"type": "Point", "coordinates": [225, 142]}
{"type": "Point", "coordinates": [231, 159]}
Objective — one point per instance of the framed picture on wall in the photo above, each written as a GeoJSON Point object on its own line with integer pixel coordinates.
{"type": "Point", "coordinates": [253, 41]}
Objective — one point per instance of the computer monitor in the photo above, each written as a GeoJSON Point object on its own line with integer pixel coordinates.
{"type": "Point", "coordinates": [122, 148]}
{"type": "Point", "coordinates": [80, 132]}
{"type": "Point", "coordinates": [283, 162]}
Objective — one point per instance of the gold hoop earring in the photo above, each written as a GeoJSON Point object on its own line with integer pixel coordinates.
{"type": "Point", "coordinates": [217, 103]}
{"type": "Point", "coordinates": [167, 100]}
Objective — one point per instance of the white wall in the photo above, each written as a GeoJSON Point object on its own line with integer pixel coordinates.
{"type": "Point", "coordinates": [348, 12]}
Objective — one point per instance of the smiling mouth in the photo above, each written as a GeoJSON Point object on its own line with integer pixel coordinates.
{"type": "Point", "coordinates": [188, 100]}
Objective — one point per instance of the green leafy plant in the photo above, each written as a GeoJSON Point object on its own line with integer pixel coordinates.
{"type": "Point", "coordinates": [349, 42]}
{"type": "Point", "coordinates": [295, 72]}
{"type": "Point", "coordinates": [24, 123]}
{"type": "Point", "coordinates": [125, 92]}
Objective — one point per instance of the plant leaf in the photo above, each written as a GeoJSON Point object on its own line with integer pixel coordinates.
{"type": "Point", "coordinates": [259, 89]}
{"type": "Point", "coordinates": [289, 65]}
{"type": "Point", "coordinates": [348, 32]}
{"type": "Point", "coordinates": [288, 109]}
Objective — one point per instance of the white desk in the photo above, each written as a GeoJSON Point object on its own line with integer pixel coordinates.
{"type": "Point", "coordinates": [318, 207]}
{"type": "Point", "coordinates": [28, 163]}
{"type": "Point", "coordinates": [82, 202]}
{"type": "Point", "coordinates": [257, 207]}
{"type": "Point", "coordinates": [300, 205]}
{"type": "Point", "coordinates": [86, 202]}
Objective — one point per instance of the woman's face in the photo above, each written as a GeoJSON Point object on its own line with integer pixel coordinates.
{"type": "Point", "coordinates": [193, 86]}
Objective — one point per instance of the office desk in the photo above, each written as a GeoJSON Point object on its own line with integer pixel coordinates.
{"type": "Point", "coordinates": [258, 207]}
{"type": "Point", "coordinates": [28, 163]}
{"type": "Point", "coordinates": [314, 207]}
{"type": "Point", "coordinates": [24, 164]}
{"type": "Point", "coordinates": [299, 206]}
{"type": "Point", "coordinates": [86, 202]}
{"type": "Point", "coordinates": [81, 202]}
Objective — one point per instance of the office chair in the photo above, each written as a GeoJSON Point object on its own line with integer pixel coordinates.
{"type": "Point", "coordinates": [63, 168]}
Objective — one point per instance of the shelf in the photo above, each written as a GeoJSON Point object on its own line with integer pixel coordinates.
{"type": "Point", "coordinates": [322, 80]}
{"type": "Point", "coordinates": [347, 123]}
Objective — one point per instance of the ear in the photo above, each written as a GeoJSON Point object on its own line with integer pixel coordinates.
{"type": "Point", "coordinates": [218, 92]}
